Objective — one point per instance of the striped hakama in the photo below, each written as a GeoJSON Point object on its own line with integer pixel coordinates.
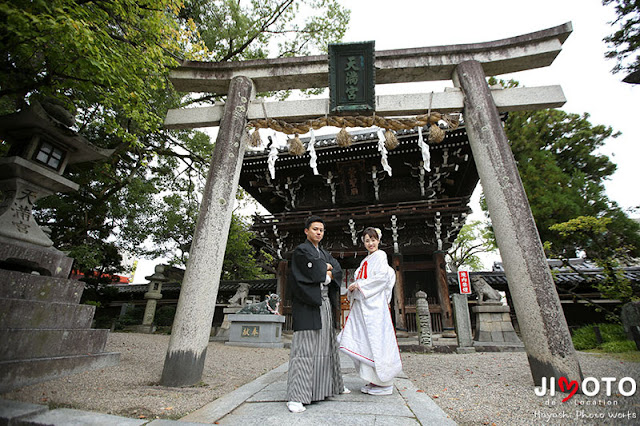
{"type": "Point", "coordinates": [314, 363]}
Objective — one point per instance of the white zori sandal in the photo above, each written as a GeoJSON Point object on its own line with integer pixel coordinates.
{"type": "Point", "coordinates": [380, 390]}
{"type": "Point", "coordinates": [295, 407]}
{"type": "Point", "coordinates": [365, 388]}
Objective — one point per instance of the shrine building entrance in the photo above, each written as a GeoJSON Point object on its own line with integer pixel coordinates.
{"type": "Point", "coordinates": [420, 203]}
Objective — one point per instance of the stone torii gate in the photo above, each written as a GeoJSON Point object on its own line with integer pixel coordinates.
{"type": "Point", "coordinates": [543, 326]}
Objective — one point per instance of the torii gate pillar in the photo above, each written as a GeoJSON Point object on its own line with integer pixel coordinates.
{"type": "Point", "coordinates": [187, 350]}
{"type": "Point", "coordinates": [542, 323]}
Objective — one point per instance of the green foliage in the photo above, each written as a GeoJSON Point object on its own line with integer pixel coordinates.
{"type": "Point", "coordinates": [113, 54]}
{"type": "Point", "coordinates": [625, 41]}
{"type": "Point", "coordinates": [608, 248]}
{"type": "Point", "coordinates": [240, 30]}
{"type": "Point", "coordinates": [239, 258]}
{"type": "Point", "coordinates": [133, 316]}
{"type": "Point", "coordinates": [613, 336]}
{"type": "Point", "coordinates": [563, 174]}
{"type": "Point", "coordinates": [164, 316]}
{"type": "Point", "coordinates": [474, 238]}
{"type": "Point", "coordinates": [108, 63]}
{"type": "Point", "coordinates": [619, 346]}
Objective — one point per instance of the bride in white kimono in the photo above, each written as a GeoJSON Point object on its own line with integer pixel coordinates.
{"type": "Point", "coordinates": [368, 336]}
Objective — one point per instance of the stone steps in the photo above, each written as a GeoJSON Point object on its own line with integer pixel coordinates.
{"type": "Point", "coordinates": [18, 285]}
{"type": "Point", "coordinates": [44, 332]}
{"type": "Point", "coordinates": [40, 343]}
{"type": "Point", "coordinates": [29, 314]}
{"type": "Point", "coordinates": [18, 373]}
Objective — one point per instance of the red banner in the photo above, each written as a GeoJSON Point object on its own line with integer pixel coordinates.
{"type": "Point", "coordinates": [463, 280]}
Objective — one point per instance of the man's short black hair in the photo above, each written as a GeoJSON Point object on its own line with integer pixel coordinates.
{"type": "Point", "coordinates": [312, 219]}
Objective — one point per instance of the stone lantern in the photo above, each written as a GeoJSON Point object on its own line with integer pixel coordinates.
{"type": "Point", "coordinates": [42, 320]}
{"type": "Point", "coordinates": [153, 294]}
{"type": "Point", "coordinates": [41, 147]}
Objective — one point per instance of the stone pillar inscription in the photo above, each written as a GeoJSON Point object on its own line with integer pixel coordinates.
{"type": "Point", "coordinates": [16, 218]}
{"type": "Point", "coordinates": [185, 357]}
{"type": "Point", "coordinates": [542, 322]}
{"type": "Point", "coordinates": [423, 319]}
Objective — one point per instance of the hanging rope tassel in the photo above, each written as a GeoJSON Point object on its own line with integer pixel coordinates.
{"type": "Point", "coordinates": [391, 142]}
{"type": "Point", "coordinates": [436, 134]}
{"type": "Point", "coordinates": [344, 138]}
{"type": "Point", "coordinates": [295, 146]}
{"type": "Point", "coordinates": [255, 139]}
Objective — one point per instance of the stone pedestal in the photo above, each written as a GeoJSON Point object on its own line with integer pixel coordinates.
{"type": "Point", "coordinates": [144, 328]}
{"type": "Point", "coordinates": [45, 332]}
{"type": "Point", "coordinates": [254, 330]}
{"type": "Point", "coordinates": [494, 331]}
{"type": "Point", "coordinates": [222, 335]}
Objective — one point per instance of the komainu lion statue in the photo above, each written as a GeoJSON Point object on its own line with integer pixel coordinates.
{"type": "Point", "coordinates": [268, 306]}
{"type": "Point", "coordinates": [240, 297]}
{"type": "Point", "coordinates": [485, 292]}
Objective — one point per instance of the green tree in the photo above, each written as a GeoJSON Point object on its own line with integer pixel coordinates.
{"type": "Point", "coordinates": [94, 56]}
{"type": "Point", "coordinates": [563, 174]}
{"type": "Point", "coordinates": [108, 62]}
{"type": "Point", "coordinates": [610, 250]}
{"type": "Point", "coordinates": [473, 239]}
{"type": "Point", "coordinates": [624, 43]}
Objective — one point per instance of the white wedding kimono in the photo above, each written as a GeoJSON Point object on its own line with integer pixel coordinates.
{"type": "Point", "coordinates": [368, 336]}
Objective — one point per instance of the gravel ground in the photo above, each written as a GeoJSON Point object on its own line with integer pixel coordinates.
{"type": "Point", "coordinates": [475, 389]}
{"type": "Point", "coordinates": [496, 388]}
{"type": "Point", "coordinates": [131, 388]}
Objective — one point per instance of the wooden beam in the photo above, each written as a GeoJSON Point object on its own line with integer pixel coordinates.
{"type": "Point", "coordinates": [528, 51]}
{"type": "Point", "coordinates": [451, 100]}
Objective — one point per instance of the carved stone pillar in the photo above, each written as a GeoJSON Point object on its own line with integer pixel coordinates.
{"type": "Point", "coordinates": [187, 350]}
{"type": "Point", "coordinates": [423, 319]}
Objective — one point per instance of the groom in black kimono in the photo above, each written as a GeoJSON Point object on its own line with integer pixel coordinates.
{"type": "Point", "coordinates": [310, 267]}
{"type": "Point", "coordinates": [314, 344]}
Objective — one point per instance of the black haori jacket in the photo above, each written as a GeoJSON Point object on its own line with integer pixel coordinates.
{"type": "Point", "coordinates": [308, 272]}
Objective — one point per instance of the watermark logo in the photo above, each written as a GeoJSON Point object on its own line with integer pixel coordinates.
{"type": "Point", "coordinates": [590, 386]}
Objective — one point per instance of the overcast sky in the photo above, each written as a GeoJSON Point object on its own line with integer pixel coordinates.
{"type": "Point", "coordinates": [580, 68]}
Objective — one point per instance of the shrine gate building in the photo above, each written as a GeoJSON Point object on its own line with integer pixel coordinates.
{"type": "Point", "coordinates": [420, 212]}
